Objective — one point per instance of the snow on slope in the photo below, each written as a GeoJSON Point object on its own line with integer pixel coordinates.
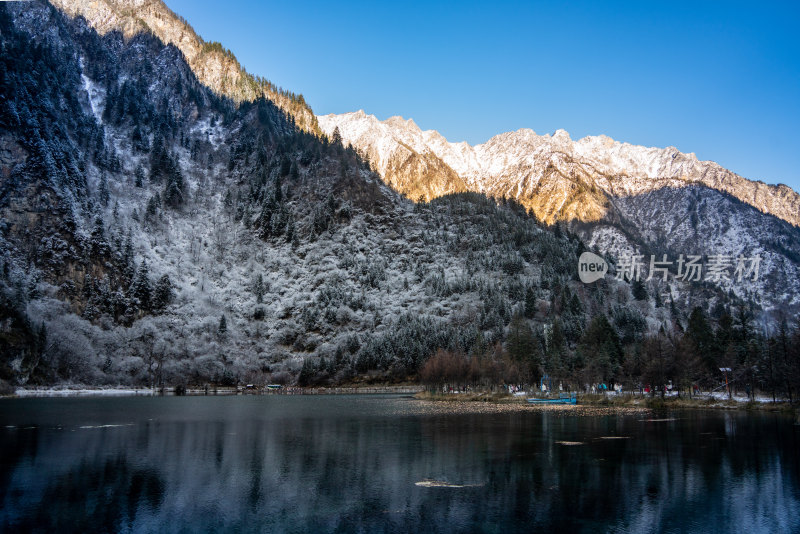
{"type": "Point", "coordinates": [635, 197]}
{"type": "Point", "coordinates": [519, 162]}
{"type": "Point", "coordinates": [215, 67]}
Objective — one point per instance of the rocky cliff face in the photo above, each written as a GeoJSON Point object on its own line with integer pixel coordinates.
{"type": "Point", "coordinates": [214, 66]}
{"type": "Point", "coordinates": [556, 177]}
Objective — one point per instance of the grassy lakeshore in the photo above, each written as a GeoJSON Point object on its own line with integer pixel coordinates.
{"type": "Point", "coordinates": [485, 396]}
{"type": "Point", "coordinates": [685, 402]}
{"type": "Point", "coordinates": [624, 402]}
{"type": "Point", "coordinates": [455, 401]}
{"type": "Point", "coordinates": [487, 402]}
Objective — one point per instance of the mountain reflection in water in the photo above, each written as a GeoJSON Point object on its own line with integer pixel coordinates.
{"type": "Point", "coordinates": [385, 464]}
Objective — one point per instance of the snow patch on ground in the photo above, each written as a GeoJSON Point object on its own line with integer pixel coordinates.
{"type": "Point", "coordinates": [95, 94]}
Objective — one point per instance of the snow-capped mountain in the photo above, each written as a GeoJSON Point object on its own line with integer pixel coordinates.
{"type": "Point", "coordinates": [158, 226]}
{"type": "Point", "coordinates": [622, 199]}
{"type": "Point", "coordinates": [153, 231]}
{"type": "Point", "coordinates": [560, 179]}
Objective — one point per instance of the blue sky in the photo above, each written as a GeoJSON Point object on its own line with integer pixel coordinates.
{"type": "Point", "coordinates": [718, 79]}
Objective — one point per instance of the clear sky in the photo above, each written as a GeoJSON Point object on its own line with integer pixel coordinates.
{"type": "Point", "coordinates": [720, 79]}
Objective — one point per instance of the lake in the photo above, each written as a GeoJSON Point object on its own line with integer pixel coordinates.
{"type": "Point", "coordinates": [367, 463]}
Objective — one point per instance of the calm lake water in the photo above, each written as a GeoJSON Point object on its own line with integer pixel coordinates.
{"type": "Point", "coordinates": [365, 464]}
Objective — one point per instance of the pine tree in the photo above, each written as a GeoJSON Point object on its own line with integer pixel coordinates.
{"type": "Point", "coordinates": [153, 206]}
{"type": "Point", "coordinates": [222, 329]}
{"type": "Point", "coordinates": [33, 284]}
{"type": "Point", "coordinates": [278, 194]}
{"type": "Point", "coordinates": [530, 303]}
{"type": "Point", "coordinates": [660, 358]}
{"type": "Point", "coordinates": [639, 290]}
{"type": "Point", "coordinates": [159, 160]}
{"type": "Point", "coordinates": [127, 257]}
{"type": "Point", "coordinates": [601, 348]}
{"type": "Point", "coordinates": [258, 288]}
{"type": "Point", "coordinates": [227, 201]}
{"type": "Point", "coordinates": [557, 340]}
{"type": "Point", "coordinates": [103, 190]}
{"type": "Point", "coordinates": [575, 306]}
{"type": "Point", "coordinates": [104, 298]}
{"type": "Point", "coordinates": [173, 191]}
{"type": "Point", "coordinates": [521, 346]}
{"type": "Point", "coordinates": [98, 237]}
{"type": "Point", "coordinates": [336, 137]}
{"type": "Point", "coordinates": [138, 179]}
{"type": "Point", "coordinates": [699, 333]}
{"type": "Point", "coordinates": [162, 294]}
{"type": "Point", "coordinates": [141, 286]}
{"type": "Point", "coordinates": [90, 311]}
{"type": "Point", "coordinates": [792, 364]}
{"type": "Point", "coordinates": [290, 231]}
{"type": "Point", "coordinates": [41, 338]}
{"type": "Point", "coordinates": [307, 373]}
{"type": "Point", "coordinates": [139, 140]}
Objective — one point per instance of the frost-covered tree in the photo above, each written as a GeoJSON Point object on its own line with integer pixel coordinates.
{"type": "Point", "coordinates": [336, 137]}
{"type": "Point", "coordinates": [530, 302]}
{"type": "Point", "coordinates": [174, 189]}
{"type": "Point", "coordinates": [138, 176]}
{"type": "Point", "coordinates": [141, 288]}
{"type": "Point", "coordinates": [258, 288]}
{"type": "Point", "coordinates": [98, 237]}
{"type": "Point", "coordinates": [102, 191]}
{"type": "Point", "coordinates": [639, 290]}
{"type": "Point", "coordinates": [153, 205]}
{"type": "Point", "coordinates": [162, 294]}
{"type": "Point", "coordinates": [222, 329]}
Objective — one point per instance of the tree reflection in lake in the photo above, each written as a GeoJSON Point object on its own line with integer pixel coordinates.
{"type": "Point", "coordinates": [382, 464]}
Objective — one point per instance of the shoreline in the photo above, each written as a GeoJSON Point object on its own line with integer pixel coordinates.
{"type": "Point", "coordinates": [87, 391]}
{"type": "Point", "coordinates": [626, 402]}
{"type": "Point", "coordinates": [444, 403]}
{"type": "Point", "coordinates": [608, 402]}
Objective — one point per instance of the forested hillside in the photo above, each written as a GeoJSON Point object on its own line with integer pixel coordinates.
{"type": "Point", "coordinates": [156, 233]}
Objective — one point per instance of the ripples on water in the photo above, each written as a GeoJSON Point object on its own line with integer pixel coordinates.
{"type": "Point", "coordinates": [388, 464]}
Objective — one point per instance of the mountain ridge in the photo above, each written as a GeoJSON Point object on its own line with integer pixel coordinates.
{"type": "Point", "coordinates": [503, 164]}
{"type": "Point", "coordinates": [619, 198]}
{"type": "Point", "coordinates": [153, 232]}
{"type": "Point", "coordinates": [215, 66]}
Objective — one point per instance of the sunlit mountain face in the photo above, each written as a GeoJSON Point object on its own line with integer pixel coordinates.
{"type": "Point", "coordinates": [622, 199]}
{"type": "Point", "coordinates": [554, 176]}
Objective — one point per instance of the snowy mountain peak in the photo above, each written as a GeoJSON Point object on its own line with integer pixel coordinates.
{"type": "Point", "coordinates": [399, 122]}
{"type": "Point", "coordinates": [626, 197]}
{"type": "Point", "coordinates": [532, 168]}
{"type": "Point", "coordinates": [561, 135]}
